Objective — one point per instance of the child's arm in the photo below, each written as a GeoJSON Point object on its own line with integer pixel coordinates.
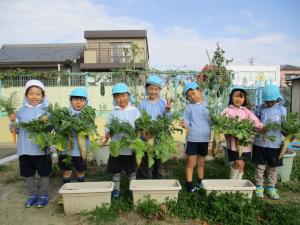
{"type": "Point", "coordinates": [258, 125]}
{"type": "Point", "coordinates": [184, 123]}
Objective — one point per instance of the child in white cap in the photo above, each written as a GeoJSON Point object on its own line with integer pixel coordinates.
{"type": "Point", "coordinates": [31, 157]}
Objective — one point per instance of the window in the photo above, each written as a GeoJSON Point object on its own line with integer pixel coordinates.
{"type": "Point", "coordinates": [120, 52]}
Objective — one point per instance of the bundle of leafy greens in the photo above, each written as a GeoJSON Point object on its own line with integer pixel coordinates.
{"type": "Point", "coordinates": [66, 126]}
{"type": "Point", "coordinates": [242, 129]}
{"type": "Point", "coordinates": [129, 138]}
{"type": "Point", "coordinates": [9, 105]}
{"type": "Point", "coordinates": [59, 128]}
{"type": "Point", "coordinates": [291, 130]}
{"type": "Point", "coordinates": [41, 131]}
{"type": "Point", "coordinates": [162, 145]}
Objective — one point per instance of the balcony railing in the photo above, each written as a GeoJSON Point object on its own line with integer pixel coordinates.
{"type": "Point", "coordinates": [117, 55]}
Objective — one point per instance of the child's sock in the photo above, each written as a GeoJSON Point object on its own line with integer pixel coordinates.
{"type": "Point", "coordinates": [199, 181]}
{"type": "Point", "coordinates": [116, 179]}
{"type": "Point", "coordinates": [239, 176]}
{"type": "Point", "coordinates": [31, 185]}
{"type": "Point", "coordinates": [233, 173]}
{"type": "Point", "coordinates": [81, 179]}
{"type": "Point", "coordinates": [132, 176]}
{"type": "Point", "coordinates": [44, 184]}
{"type": "Point", "coordinates": [189, 186]}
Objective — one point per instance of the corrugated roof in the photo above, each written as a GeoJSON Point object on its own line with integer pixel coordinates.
{"type": "Point", "coordinates": [289, 68]}
{"type": "Point", "coordinates": [40, 52]}
{"type": "Point", "coordinates": [89, 34]}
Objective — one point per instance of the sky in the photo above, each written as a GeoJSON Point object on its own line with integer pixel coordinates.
{"type": "Point", "coordinates": [180, 33]}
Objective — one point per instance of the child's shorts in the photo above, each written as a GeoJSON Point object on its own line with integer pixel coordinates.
{"type": "Point", "coordinates": [197, 148]}
{"type": "Point", "coordinates": [30, 164]}
{"type": "Point", "coordinates": [234, 155]}
{"type": "Point", "coordinates": [266, 156]}
{"type": "Point", "coordinates": [116, 164]}
{"type": "Point", "coordinates": [77, 162]}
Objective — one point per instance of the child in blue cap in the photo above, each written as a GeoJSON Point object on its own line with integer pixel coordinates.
{"type": "Point", "coordinates": [124, 111]}
{"type": "Point", "coordinates": [197, 122]}
{"type": "Point", "coordinates": [78, 100]}
{"type": "Point", "coordinates": [154, 106]}
{"type": "Point", "coordinates": [266, 152]}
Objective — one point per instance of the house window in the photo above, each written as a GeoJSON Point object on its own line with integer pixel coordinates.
{"type": "Point", "coordinates": [120, 52]}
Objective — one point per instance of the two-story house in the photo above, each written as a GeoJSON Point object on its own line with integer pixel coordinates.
{"type": "Point", "coordinates": [107, 50]}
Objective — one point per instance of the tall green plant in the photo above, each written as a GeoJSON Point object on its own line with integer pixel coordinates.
{"type": "Point", "coordinates": [217, 83]}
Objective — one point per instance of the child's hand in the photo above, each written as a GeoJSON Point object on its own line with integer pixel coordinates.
{"type": "Point", "coordinates": [105, 139]}
{"type": "Point", "coordinates": [147, 136]}
{"type": "Point", "coordinates": [44, 118]}
{"type": "Point", "coordinates": [184, 126]}
{"type": "Point", "coordinates": [169, 105]}
{"type": "Point", "coordinates": [12, 117]}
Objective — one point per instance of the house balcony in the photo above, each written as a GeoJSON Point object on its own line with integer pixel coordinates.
{"type": "Point", "coordinates": [106, 59]}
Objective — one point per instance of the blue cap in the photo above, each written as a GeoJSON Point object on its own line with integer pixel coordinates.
{"type": "Point", "coordinates": [120, 88]}
{"type": "Point", "coordinates": [238, 88]}
{"type": "Point", "coordinates": [271, 93]}
{"type": "Point", "coordinates": [190, 85]}
{"type": "Point", "coordinates": [155, 80]}
{"type": "Point", "coordinates": [79, 92]}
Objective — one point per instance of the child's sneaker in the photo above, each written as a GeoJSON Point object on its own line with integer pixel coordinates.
{"type": "Point", "coordinates": [31, 201]}
{"type": "Point", "coordinates": [42, 201]}
{"type": "Point", "coordinates": [199, 185]}
{"type": "Point", "coordinates": [259, 191]}
{"type": "Point", "coordinates": [116, 194]}
{"type": "Point", "coordinates": [272, 193]}
{"type": "Point", "coordinates": [193, 189]}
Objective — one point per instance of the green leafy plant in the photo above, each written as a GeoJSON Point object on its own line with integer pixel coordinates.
{"type": "Point", "coordinates": [39, 130]}
{"type": "Point", "coordinates": [242, 129]}
{"type": "Point", "coordinates": [129, 138]}
{"type": "Point", "coordinates": [162, 145]}
{"type": "Point", "coordinates": [59, 127]}
{"type": "Point", "coordinates": [217, 83]}
{"type": "Point", "coordinates": [9, 105]}
{"type": "Point", "coordinates": [148, 208]}
{"type": "Point", "coordinates": [291, 130]}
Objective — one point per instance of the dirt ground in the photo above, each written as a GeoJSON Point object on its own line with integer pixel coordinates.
{"type": "Point", "coordinates": [13, 194]}
{"type": "Point", "coordinates": [7, 149]}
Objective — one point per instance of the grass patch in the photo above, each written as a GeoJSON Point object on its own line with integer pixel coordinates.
{"type": "Point", "coordinates": [224, 209]}
{"type": "Point", "coordinates": [4, 168]}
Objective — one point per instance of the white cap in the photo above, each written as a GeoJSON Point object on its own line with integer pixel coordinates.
{"type": "Point", "coordinates": [37, 83]}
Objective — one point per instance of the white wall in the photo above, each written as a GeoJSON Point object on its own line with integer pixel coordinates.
{"type": "Point", "coordinates": [247, 74]}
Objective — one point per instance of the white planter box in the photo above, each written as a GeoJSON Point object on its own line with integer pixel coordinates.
{"type": "Point", "coordinates": [229, 185]}
{"type": "Point", "coordinates": [156, 189]}
{"type": "Point", "coordinates": [85, 196]}
{"type": "Point", "coordinates": [101, 155]}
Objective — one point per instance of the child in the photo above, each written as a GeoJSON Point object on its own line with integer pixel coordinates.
{"type": "Point", "coordinates": [31, 157]}
{"type": "Point", "coordinates": [124, 111]}
{"type": "Point", "coordinates": [78, 100]}
{"type": "Point", "coordinates": [197, 122]}
{"type": "Point", "coordinates": [154, 106]}
{"type": "Point", "coordinates": [266, 152]}
{"type": "Point", "coordinates": [237, 107]}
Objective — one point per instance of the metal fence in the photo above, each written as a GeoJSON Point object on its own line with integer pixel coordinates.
{"type": "Point", "coordinates": [99, 87]}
